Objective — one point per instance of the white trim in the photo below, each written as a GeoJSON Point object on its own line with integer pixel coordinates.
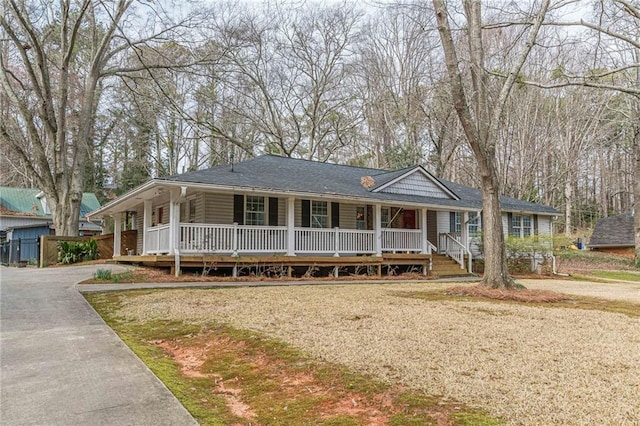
{"type": "Point", "coordinates": [426, 174]}
{"type": "Point", "coordinates": [117, 233]}
{"type": "Point", "coordinates": [108, 208]}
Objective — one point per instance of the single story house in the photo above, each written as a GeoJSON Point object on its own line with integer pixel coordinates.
{"type": "Point", "coordinates": [613, 233]}
{"type": "Point", "coordinates": [25, 216]}
{"type": "Point", "coordinates": [273, 207]}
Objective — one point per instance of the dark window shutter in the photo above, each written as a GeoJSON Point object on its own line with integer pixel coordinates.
{"type": "Point", "coordinates": [335, 215]}
{"type": "Point", "coordinates": [509, 223]}
{"type": "Point", "coordinates": [306, 213]}
{"type": "Point", "coordinates": [535, 224]}
{"type": "Point", "coordinates": [273, 211]}
{"type": "Point", "coordinates": [452, 222]}
{"type": "Point", "coordinates": [369, 217]}
{"type": "Point", "coordinates": [238, 209]}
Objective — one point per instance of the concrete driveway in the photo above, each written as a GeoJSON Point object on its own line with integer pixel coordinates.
{"type": "Point", "coordinates": [62, 365]}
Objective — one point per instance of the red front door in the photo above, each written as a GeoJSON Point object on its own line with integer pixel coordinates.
{"type": "Point", "coordinates": [409, 219]}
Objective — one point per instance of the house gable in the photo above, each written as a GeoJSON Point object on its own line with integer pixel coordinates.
{"type": "Point", "coordinates": [417, 182]}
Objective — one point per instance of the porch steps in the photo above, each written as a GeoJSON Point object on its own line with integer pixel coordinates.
{"type": "Point", "coordinates": [445, 267]}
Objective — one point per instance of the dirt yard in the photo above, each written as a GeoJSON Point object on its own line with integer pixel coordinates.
{"type": "Point", "coordinates": [527, 364]}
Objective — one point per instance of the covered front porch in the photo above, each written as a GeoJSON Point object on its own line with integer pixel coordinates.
{"type": "Point", "coordinates": [231, 225]}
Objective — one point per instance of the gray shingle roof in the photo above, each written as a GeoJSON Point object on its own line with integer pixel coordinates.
{"type": "Point", "coordinates": [613, 231]}
{"type": "Point", "coordinates": [274, 173]}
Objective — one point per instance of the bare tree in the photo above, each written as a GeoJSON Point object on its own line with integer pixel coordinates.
{"type": "Point", "coordinates": [481, 117]}
{"type": "Point", "coordinates": [614, 30]}
{"type": "Point", "coordinates": [54, 60]}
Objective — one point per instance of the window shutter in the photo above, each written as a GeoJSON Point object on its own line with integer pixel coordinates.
{"type": "Point", "coordinates": [238, 209]}
{"type": "Point", "coordinates": [273, 211]}
{"type": "Point", "coordinates": [509, 223]}
{"type": "Point", "coordinates": [535, 224]}
{"type": "Point", "coordinates": [369, 210]}
{"type": "Point", "coordinates": [306, 213]}
{"type": "Point", "coordinates": [452, 222]}
{"type": "Point", "coordinates": [335, 215]}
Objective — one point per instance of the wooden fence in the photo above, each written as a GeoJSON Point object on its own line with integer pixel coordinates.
{"type": "Point", "coordinates": [49, 245]}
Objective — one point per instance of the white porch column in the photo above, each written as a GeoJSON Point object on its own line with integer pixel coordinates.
{"type": "Point", "coordinates": [146, 224]}
{"type": "Point", "coordinates": [117, 233]}
{"type": "Point", "coordinates": [291, 237]}
{"type": "Point", "coordinates": [423, 227]}
{"type": "Point", "coordinates": [174, 223]}
{"type": "Point", "coordinates": [466, 240]}
{"type": "Point", "coordinates": [464, 229]}
{"type": "Point", "coordinates": [377, 226]}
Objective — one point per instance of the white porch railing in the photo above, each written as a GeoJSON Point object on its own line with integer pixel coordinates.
{"type": "Point", "coordinates": [449, 245]}
{"type": "Point", "coordinates": [336, 241]}
{"type": "Point", "coordinates": [208, 238]}
{"type": "Point", "coordinates": [157, 239]}
{"type": "Point", "coordinates": [401, 240]}
{"type": "Point", "coordinates": [238, 239]}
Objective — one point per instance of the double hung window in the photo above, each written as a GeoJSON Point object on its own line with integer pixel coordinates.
{"type": "Point", "coordinates": [254, 210]}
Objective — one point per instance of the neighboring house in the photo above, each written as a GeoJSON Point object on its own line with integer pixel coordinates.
{"type": "Point", "coordinates": [25, 216]}
{"type": "Point", "coordinates": [613, 233]}
{"type": "Point", "coordinates": [275, 206]}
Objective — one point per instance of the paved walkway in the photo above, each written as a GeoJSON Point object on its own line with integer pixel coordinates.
{"type": "Point", "coordinates": [62, 365]}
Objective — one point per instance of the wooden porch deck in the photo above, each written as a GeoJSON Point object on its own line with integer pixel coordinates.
{"type": "Point", "coordinates": [428, 264]}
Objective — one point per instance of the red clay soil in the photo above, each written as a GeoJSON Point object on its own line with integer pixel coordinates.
{"type": "Point", "coordinates": [517, 295]}
{"type": "Point", "coordinates": [334, 398]}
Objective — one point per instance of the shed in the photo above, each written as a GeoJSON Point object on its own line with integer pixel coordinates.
{"type": "Point", "coordinates": [613, 232]}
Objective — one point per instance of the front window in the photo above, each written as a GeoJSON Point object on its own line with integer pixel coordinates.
{"type": "Point", "coordinates": [319, 214]}
{"type": "Point", "coordinates": [384, 217]}
{"type": "Point", "coordinates": [516, 225]}
{"type": "Point", "coordinates": [254, 208]}
{"type": "Point", "coordinates": [526, 226]}
{"type": "Point", "coordinates": [520, 226]}
{"type": "Point", "coordinates": [457, 222]}
{"type": "Point", "coordinates": [360, 218]}
{"type": "Point", "coordinates": [474, 223]}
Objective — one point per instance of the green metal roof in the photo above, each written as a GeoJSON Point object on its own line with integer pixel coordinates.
{"type": "Point", "coordinates": [24, 201]}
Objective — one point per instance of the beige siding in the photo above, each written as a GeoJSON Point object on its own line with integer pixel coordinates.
{"type": "Point", "coordinates": [165, 213]}
{"type": "Point", "coordinates": [416, 184]}
{"type": "Point", "coordinates": [544, 225]}
{"type": "Point", "coordinates": [282, 211]}
{"type": "Point", "coordinates": [218, 208]}
{"type": "Point", "coordinates": [348, 216]}
{"type": "Point", "coordinates": [505, 224]}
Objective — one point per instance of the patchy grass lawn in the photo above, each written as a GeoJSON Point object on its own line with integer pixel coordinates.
{"type": "Point", "coordinates": [224, 375]}
{"type": "Point", "coordinates": [618, 275]}
{"type": "Point", "coordinates": [585, 261]}
{"type": "Point", "coordinates": [385, 354]}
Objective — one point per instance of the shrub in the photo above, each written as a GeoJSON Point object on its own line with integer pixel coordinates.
{"type": "Point", "coordinates": [522, 251]}
{"type": "Point", "coordinates": [102, 274]}
{"type": "Point", "coordinates": [72, 252]}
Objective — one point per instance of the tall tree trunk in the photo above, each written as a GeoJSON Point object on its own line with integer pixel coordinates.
{"type": "Point", "coordinates": [636, 193]}
{"type": "Point", "coordinates": [568, 205]}
{"type": "Point", "coordinates": [480, 117]}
